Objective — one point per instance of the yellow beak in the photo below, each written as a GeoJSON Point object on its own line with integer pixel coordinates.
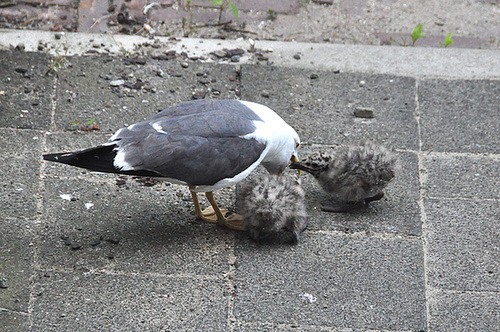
{"type": "Point", "coordinates": [295, 159]}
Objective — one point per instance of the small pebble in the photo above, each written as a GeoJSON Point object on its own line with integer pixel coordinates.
{"type": "Point", "coordinates": [314, 76]}
{"type": "Point", "coordinates": [265, 94]}
{"type": "Point", "coordinates": [113, 240]}
{"type": "Point", "coordinates": [20, 70]}
{"type": "Point", "coordinates": [140, 61]}
{"type": "Point", "coordinates": [159, 73]}
{"type": "Point", "coordinates": [76, 246]}
{"type": "Point", "coordinates": [4, 283]}
{"type": "Point", "coordinates": [235, 58]}
{"type": "Point", "coordinates": [58, 35]}
{"type": "Point", "coordinates": [174, 74]}
{"type": "Point", "coordinates": [116, 83]}
{"type": "Point", "coordinates": [363, 112]}
{"type": "Point", "coordinates": [96, 242]}
{"type": "Point", "coordinates": [20, 47]}
{"type": "Point", "coordinates": [219, 53]}
{"type": "Point", "coordinates": [184, 64]}
{"type": "Point", "coordinates": [199, 95]}
{"type": "Point", "coordinates": [297, 56]}
{"type": "Point", "coordinates": [66, 240]}
{"type": "Point", "coordinates": [233, 52]}
{"type": "Point", "coordinates": [362, 83]}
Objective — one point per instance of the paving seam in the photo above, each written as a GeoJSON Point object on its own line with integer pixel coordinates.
{"type": "Point", "coordinates": [472, 199]}
{"type": "Point", "coordinates": [364, 235]}
{"type": "Point", "coordinates": [477, 155]}
{"type": "Point", "coordinates": [466, 291]}
{"type": "Point", "coordinates": [422, 178]}
{"type": "Point", "coordinates": [105, 272]}
{"type": "Point", "coordinates": [39, 204]}
{"type": "Point", "coordinates": [229, 276]}
{"type": "Point", "coordinates": [14, 311]}
{"type": "Point", "coordinates": [293, 327]}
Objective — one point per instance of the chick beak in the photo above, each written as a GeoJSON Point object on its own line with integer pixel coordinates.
{"type": "Point", "coordinates": [295, 159]}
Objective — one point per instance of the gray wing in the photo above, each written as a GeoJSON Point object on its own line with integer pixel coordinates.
{"type": "Point", "coordinates": [229, 108]}
{"type": "Point", "coordinates": [200, 145]}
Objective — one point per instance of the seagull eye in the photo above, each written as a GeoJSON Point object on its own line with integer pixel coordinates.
{"type": "Point", "coordinates": [297, 145]}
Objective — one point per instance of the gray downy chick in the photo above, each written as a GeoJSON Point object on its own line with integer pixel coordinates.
{"type": "Point", "coordinates": [353, 175]}
{"type": "Point", "coordinates": [273, 208]}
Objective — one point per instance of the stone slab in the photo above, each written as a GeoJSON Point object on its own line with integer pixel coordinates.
{"type": "Point", "coordinates": [453, 311]}
{"type": "Point", "coordinates": [130, 228]}
{"type": "Point", "coordinates": [462, 240]}
{"type": "Point", "coordinates": [91, 302]}
{"type": "Point", "coordinates": [331, 280]}
{"type": "Point", "coordinates": [460, 116]}
{"type": "Point", "coordinates": [321, 110]}
{"type": "Point", "coordinates": [26, 90]}
{"type": "Point", "coordinates": [86, 94]}
{"type": "Point", "coordinates": [17, 247]}
{"type": "Point", "coordinates": [19, 172]}
{"type": "Point", "coordinates": [462, 176]}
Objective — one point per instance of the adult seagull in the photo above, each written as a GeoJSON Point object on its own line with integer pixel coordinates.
{"type": "Point", "coordinates": [204, 144]}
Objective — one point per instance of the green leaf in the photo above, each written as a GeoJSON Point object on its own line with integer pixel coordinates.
{"type": "Point", "coordinates": [75, 122]}
{"type": "Point", "coordinates": [447, 40]}
{"type": "Point", "coordinates": [90, 122]}
{"type": "Point", "coordinates": [216, 3]}
{"type": "Point", "coordinates": [233, 9]}
{"type": "Point", "coordinates": [417, 33]}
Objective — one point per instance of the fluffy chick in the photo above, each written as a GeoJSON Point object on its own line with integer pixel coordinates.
{"type": "Point", "coordinates": [354, 175]}
{"type": "Point", "coordinates": [273, 208]}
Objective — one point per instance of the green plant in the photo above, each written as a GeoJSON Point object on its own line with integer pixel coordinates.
{"type": "Point", "coordinates": [56, 63]}
{"type": "Point", "coordinates": [416, 35]}
{"type": "Point", "coordinates": [188, 26]}
{"type": "Point", "coordinates": [90, 122]}
{"type": "Point", "coordinates": [271, 14]}
{"type": "Point", "coordinates": [447, 41]}
{"type": "Point", "coordinates": [224, 4]}
{"type": "Point", "coordinates": [87, 126]}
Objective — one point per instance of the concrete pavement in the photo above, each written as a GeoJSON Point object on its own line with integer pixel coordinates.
{"type": "Point", "coordinates": [85, 252]}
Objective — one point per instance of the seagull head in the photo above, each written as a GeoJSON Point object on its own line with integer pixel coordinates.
{"type": "Point", "coordinates": [282, 152]}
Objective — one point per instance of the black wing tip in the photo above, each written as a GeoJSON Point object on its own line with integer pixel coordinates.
{"type": "Point", "coordinates": [57, 156]}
